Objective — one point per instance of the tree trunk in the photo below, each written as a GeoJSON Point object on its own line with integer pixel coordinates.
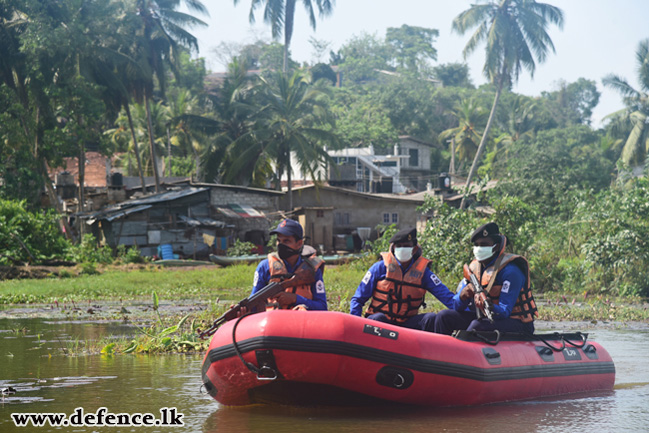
{"type": "Point", "coordinates": [54, 200]}
{"type": "Point", "coordinates": [483, 142]}
{"type": "Point", "coordinates": [289, 16]}
{"type": "Point", "coordinates": [197, 163]}
{"type": "Point", "coordinates": [82, 176]}
{"type": "Point", "coordinates": [451, 169]}
{"type": "Point", "coordinates": [168, 151]}
{"type": "Point", "coordinates": [49, 189]}
{"type": "Point", "coordinates": [136, 148]}
{"type": "Point", "coordinates": [290, 186]}
{"type": "Point", "coordinates": [149, 125]}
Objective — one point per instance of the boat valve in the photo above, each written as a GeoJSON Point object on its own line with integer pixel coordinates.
{"type": "Point", "coordinates": [395, 377]}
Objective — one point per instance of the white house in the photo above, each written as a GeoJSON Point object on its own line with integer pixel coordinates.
{"type": "Point", "coordinates": [361, 169]}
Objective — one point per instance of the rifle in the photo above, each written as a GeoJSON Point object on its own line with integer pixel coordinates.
{"type": "Point", "coordinates": [488, 304]}
{"type": "Point", "coordinates": [256, 302]}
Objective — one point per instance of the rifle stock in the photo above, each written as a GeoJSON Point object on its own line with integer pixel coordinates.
{"type": "Point", "coordinates": [256, 302]}
{"type": "Point", "coordinates": [488, 305]}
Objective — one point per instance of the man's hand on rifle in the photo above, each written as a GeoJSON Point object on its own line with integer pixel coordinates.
{"type": "Point", "coordinates": [241, 312]}
{"type": "Point", "coordinates": [480, 300]}
{"type": "Point", "coordinates": [285, 299]}
{"type": "Point", "coordinates": [467, 292]}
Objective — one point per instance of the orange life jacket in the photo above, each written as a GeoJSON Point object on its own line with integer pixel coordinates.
{"type": "Point", "coordinates": [279, 273]}
{"type": "Point", "coordinates": [525, 308]}
{"type": "Point", "coordinates": [399, 296]}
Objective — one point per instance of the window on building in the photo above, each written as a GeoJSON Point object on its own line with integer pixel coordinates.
{"type": "Point", "coordinates": [414, 157]}
{"type": "Point", "coordinates": [386, 218]}
{"type": "Point", "coordinates": [395, 218]}
{"type": "Point", "coordinates": [319, 213]}
{"type": "Point", "coordinates": [341, 218]}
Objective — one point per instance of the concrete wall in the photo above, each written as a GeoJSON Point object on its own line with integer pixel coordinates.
{"type": "Point", "coordinates": [353, 210]}
{"type": "Point", "coordinates": [246, 228]}
{"type": "Point", "coordinates": [318, 228]}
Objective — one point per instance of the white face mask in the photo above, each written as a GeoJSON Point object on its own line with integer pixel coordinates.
{"type": "Point", "coordinates": [483, 253]}
{"type": "Point", "coordinates": [403, 254]}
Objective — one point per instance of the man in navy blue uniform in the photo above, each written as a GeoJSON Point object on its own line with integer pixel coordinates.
{"type": "Point", "coordinates": [397, 285]}
{"type": "Point", "coordinates": [282, 264]}
{"type": "Point", "coordinates": [506, 280]}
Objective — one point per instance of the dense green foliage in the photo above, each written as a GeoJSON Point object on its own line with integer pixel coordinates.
{"type": "Point", "coordinates": [114, 77]}
{"type": "Point", "coordinates": [28, 236]}
{"type": "Point", "coordinates": [595, 242]}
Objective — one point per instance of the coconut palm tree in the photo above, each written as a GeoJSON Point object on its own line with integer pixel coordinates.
{"type": "Point", "coordinates": [231, 117]}
{"type": "Point", "coordinates": [180, 134]}
{"type": "Point", "coordinates": [293, 120]}
{"type": "Point", "coordinates": [161, 33]}
{"type": "Point", "coordinates": [636, 115]}
{"type": "Point", "coordinates": [280, 14]}
{"type": "Point", "coordinates": [465, 137]}
{"type": "Point", "coordinates": [515, 32]}
{"type": "Point", "coordinates": [519, 123]}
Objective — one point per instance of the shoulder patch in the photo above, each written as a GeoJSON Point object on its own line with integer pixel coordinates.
{"type": "Point", "coordinates": [256, 280]}
{"type": "Point", "coordinates": [319, 287]}
{"type": "Point", "coordinates": [435, 279]}
{"type": "Point", "coordinates": [505, 288]}
{"type": "Point", "coordinates": [366, 278]}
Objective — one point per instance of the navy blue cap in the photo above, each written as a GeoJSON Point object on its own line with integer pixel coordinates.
{"type": "Point", "coordinates": [489, 230]}
{"type": "Point", "coordinates": [405, 235]}
{"type": "Point", "coordinates": [289, 227]}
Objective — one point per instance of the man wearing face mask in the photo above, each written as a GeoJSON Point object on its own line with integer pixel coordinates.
{"type": "Point", "coordinates": [282, 264]}
{"type": "Point", "coordinates": [506, 279]}
{"type": "Point", "coordinates": [397, 285]}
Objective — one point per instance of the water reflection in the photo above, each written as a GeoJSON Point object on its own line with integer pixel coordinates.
{"type": "Point", "coordinates": [47, 381]}
{"type": "Point", "coordinates": [558, 415]}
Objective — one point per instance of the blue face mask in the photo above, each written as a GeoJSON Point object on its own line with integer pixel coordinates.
{"type": "Point", "coordinates": [483, 253]}
{"type": "Point", "coordinates": [403, 254]}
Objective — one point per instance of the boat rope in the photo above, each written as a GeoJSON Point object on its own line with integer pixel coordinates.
{"type": "Point", "coordinates": [564, 340]}
{"type": "Point", "coordinates": [250, 366]}
{"type": "Point", "coordinates": [583, 337]}
{"type": "Point", "coordinates": [554, 348]}
{"type": "Point", "coordinates": [485, 339]}
{"type": "Point", "coordinates": [264, 372]}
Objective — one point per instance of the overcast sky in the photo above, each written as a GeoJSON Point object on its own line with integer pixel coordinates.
{"type": "Point", "coordinates": [598, 37]}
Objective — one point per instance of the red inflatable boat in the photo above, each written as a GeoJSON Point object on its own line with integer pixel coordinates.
{"type": "Point", "coordinates": [310, 357]}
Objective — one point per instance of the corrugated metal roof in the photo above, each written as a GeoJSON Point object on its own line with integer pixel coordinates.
{"type": "Point", "coordinates": [245, 210]}
{"type": "Point", "coordinates": [165, 196]}
{"type": "Point", "coordinates": [228, 212]}
{"type": "Point", "coordinates": [199, 221]}
{"type": "Point", "coordinates": [138, 205]}
{"type": "Point", "coordinates": [235, 210]}
{"type": "Point", "coordinates": [116, 213]}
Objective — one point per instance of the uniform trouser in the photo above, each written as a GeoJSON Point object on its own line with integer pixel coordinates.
{"type": "Point", "coordinates": [423, 322]}
{"type": "Point", "coordinates": [448, 321]}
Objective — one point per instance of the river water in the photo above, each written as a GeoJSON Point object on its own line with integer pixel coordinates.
{"type": "Point", "coordinates": [46, 380]}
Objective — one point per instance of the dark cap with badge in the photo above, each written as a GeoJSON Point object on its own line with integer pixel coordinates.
{"type": "Point", "coordinates": [489, 230]}
{"type": "Point", "coordinates": [289, 227]}
{"type": "Point", "coordinates": [405, 235]}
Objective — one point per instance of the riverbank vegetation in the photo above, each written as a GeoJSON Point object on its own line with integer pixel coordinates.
{"type": "Point", "coordinates": [116, 78]}
{"type": "Point", "coordinates": [168, 306]}
{"type": "Point", "coordinates": [572, 198]}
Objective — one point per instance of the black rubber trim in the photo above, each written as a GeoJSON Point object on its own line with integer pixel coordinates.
{"type": "Point", "coordinates": [209, 386]}
{"type": "Point", "coordinates": [410, 362]}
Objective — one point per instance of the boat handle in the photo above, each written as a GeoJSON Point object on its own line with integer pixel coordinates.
{"type": "Point", "coordinates": [583, 337]}
{"type": "Point", "coordinates": [261, 372]}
